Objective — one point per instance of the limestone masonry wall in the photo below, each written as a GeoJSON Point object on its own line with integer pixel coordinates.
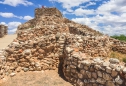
{"type": "Point", "coordinates": [118, 45]}
{"type": "Point", "coordinates": [84, 59]}
{"type": "Point", "coordinates": [81, 70]}
{"type": "Point", "coordinates": [47, 12]}
{"type": "Point", "coordinates": [54, 42]}
{"type": "Point", "coordinates": [3, 30]}
{"type": "Point", "coordinates": [51, 18]}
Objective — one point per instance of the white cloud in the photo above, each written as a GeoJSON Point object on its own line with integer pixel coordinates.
{"type": "Point", "coordinates": [109, 18]}
{"type": "Point", "coordinates": [27, 18]}
{"type": "Point", "coordinates": [16, 2]}
{"type": "Point", "coordinates": [11, 15]}
{"type": "Point", "coordinates": [68, 4]}
{"type": "Point", "coordinates": [82, 12]}
{"type": "Point", "coordinates": [108, 24]}
{"type": "Point", "coordinates": [89, 4]}
{"type": "Point", "coordinates": [12, 26]}
{"type": "Point", "coordinates": [12, 30]}
{"type": "Point", "coordinates": [112, 6]}
{"type": "Point", "coordinates": [7, 15]}
{"type": "Point", "coordinates": [3, 23]}
{"type": "Point", "coordinates": [87, 21]}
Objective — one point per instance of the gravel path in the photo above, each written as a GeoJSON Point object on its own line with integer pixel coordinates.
{"type": "Point", "coordinates": [6, 40]}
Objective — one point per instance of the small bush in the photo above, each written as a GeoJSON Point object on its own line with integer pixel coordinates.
{"type": "Point", "coordinates": [124, 59]}
{"type": "Point", "coordinates": [120, 37]}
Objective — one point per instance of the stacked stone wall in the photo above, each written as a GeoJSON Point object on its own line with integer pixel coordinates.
{"type": "Point", "coordinates": [84, 30]}
{"type": "Point", "coordinates": [47, 52]}
{"type": "Point", "coordinates": [84, 59]}
{"type": "Point", "coordinates": [3, 67]}
{"type": "Point", "coordinates": [52, 18]}
{"type": "Point", "coordinates": [93, 46]}
{"type": "Point", "coordinates": [81, 70]}
{"type": "Point", "coordinates": [40, 53]}
{"type": "Point", "coordinates": [47, 12]}
{"type": "Point", "coordinates": [118, 46]}
{"type": "Point", "coordinates": [3, 30]}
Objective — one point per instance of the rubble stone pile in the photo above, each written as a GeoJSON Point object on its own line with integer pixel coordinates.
{"type": "Point", "coordinates": [50, 41]}
{"type": "Point", "coordinates": [3, 30]}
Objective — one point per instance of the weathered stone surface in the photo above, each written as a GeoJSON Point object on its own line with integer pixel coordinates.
{"type": "Point", "coordinates": [99, 73]}
{"type": "Point", "coordinates": [82, 71]}
{"type": "Point", "coordinates": [110, 83]}
{"type": "Point", "coordinates": [100, 80]}
{"type": "Point", "coordinates": [98, 60]}
{"type": "Point", "coordinates": [113, 60]}
{"type": "Point", "coordinates": [107, 76]}
{"type": "Point", "coordinates": [108, 69]}
{"type": "Point", "coordinates": [12, 74]}
{"type": "Point", "coordinates": [69, 50]}
{"type": "Point", "coordinates": [26, 69]}
{"type": "Point", "coordinates": [118, 80]}
{"type": "Point", "coordinates": [106, 63]}
{"type": "Point", "coordinates": [124, 70]}
{"type": "Point", "coordinates": [27, 52]}
{"type": "Point", "coordinates": [113, 66]}
{"type": "Point", "coordinates": [80, 75]}
{"type": "Point", "coordinates": [114, 73]}
{"type": "Point", "coordinates": [88, 74]}
{"type": "Point", "coordinates": [94, 75]}
{"type": "Point", "coordinates": [86, 62]}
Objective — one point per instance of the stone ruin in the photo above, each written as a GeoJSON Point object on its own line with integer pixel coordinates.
{"type": "Point", "coordinates": [3, 30]}
{"type": "Point", "coordinates": [50, 41]}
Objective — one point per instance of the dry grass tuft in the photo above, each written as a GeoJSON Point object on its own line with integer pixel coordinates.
{"type": "Point", "coordinates": [120, 56]}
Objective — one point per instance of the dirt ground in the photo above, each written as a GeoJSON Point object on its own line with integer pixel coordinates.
{"type": "Point", "coordinates": [36, 78]}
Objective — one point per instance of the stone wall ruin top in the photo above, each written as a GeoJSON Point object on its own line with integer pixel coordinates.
{"type": "Point", "coordinates": [3, 30]}
{"type": "Point", "coordinates": [47, 11]}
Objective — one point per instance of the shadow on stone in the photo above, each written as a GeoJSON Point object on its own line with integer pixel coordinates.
{"type": "Point", "coordinates": [60, 68]}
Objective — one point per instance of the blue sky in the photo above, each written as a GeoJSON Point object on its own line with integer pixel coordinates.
{"type": "Point", "coordinates": [106, 16]}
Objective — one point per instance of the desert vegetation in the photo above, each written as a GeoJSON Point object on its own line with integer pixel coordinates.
{"type": "Point", "coordinates": [120, 37]}
{"type": "Point", "coordinates": [120, 56]}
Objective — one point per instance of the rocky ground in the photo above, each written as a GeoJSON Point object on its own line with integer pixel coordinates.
{"type": "Point", "coordinates": [37, 78]}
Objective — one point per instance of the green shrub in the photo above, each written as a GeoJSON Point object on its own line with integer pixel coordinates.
{"type": "Point", "coordinates": [124, 59]}
{"type": "Point", "coordinates": [121, 37]}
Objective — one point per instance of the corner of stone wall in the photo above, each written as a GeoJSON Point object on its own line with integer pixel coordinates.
{"type": "Point", "coordinates": [82, 70]}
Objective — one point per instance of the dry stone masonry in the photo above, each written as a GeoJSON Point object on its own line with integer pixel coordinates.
{"type": "Point", "coordinates": [50, 41]}
{"type": "Point", "coordinates": [47, 12]}
{"type": "Point", "coordinates": [83, 70]}
{"type": "Point", "coordinates": [119, 46]}
{"type": "Point", "coordinates": [3, 30]}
